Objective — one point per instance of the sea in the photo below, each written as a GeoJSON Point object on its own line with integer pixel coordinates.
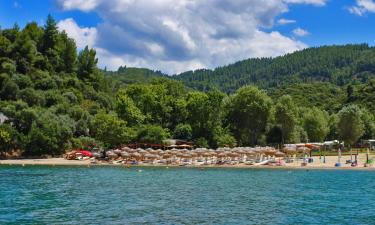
{"type": "Point", "coordinates": [138, 195]}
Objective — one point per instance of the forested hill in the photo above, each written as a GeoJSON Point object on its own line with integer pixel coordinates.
{"type": "Point", "coordinates": [339, 65]}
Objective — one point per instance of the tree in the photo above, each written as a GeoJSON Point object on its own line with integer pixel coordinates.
{"type": "Point", "coordinates": [205, 114]}
{"type": "Point", "coordinates": [198, 113]}
{"type": "Point", "coordinates": [50, 134]}
{"type": "Point", "coordinates": [350, 126]}
{"type": "Point", "coordinates": [9, 91]}
{"type": "Point", "coordinates": [202, 142]}
{"type": "Point", "coordinates": [50, 37]}
{"type": "Point", "coordinates": [183, 131]}
{"type": "Point", "coordinates": [69, 54]}
{"type": "Point", "coordinates": [286, 117]}
{"type": "Point", "coordinates": [369, 124]}
{"type": "Point", "coordinates": [127, 110]}
{"type": "Point", "coordinates": [315, 123]}
{"type": "Point", "coordinates": [5, 141]}
{"type": "Point", "coordinates": [153, 134]}
{"type": "Point", "coordinates": [226, 140]}
{"type": "Point", "coordinates": [87, 64]}
{"type": "Point", "coordinates": [111, 130]}
{"type": "Point", "coordinates": [248, 113]}
{"type": "Point", "coordinates": [86, 143]}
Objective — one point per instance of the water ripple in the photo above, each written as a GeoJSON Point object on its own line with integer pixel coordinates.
{"type": "Point", "coordinates": [65, 195]}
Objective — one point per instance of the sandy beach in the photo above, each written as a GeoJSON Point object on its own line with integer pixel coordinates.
{"type": "Point", "coordinates": [317, 163]}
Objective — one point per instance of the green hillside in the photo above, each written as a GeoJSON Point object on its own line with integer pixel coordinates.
{"type": "Point", "coordinates": [339, 65]}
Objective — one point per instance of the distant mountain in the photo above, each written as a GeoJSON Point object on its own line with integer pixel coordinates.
{"type": "Point", "coordinates": [339, 65]}
{"type": "Point", "coordinates": [317, 76]}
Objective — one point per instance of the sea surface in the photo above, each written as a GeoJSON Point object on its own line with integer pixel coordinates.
{"type": "Point", "coordinates": [116, 195]}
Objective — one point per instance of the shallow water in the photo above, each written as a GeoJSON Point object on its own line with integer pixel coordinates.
{"type": "Point", "coordinates": [114, 195]}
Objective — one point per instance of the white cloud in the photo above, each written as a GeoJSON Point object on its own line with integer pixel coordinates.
{"type": "Point", "coordinates": [174, 36]}
{"type": "Point", "coordinates": [312, 2]}
{"type": "Point", "coordinates": [83, 5]}
{"type": "Point", "coordinates": [82, 36]}
{"type": "Point", "coordinates": [362, 7]}
{"type": "Point", "coordinates": [300, 32]}
{"type": "Point", "coordinates": [284, 21]}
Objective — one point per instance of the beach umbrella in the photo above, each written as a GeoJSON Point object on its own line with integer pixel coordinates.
{"type": "Point", "coordinates": [125, 148]}
{"type": "Point", "coordinates": [186, 156]}
{"type": "Point", "coordinates": [143, 152]}
{"type": "Point", "coordinates": [221, 155]}
{"type": "Point", "coordinates": [136, 155]}
{"type": "Point", "coordinates": [131, 150]}
{"type": "Point", "coordinates": [111, 155]}
{"type": "Point", "coordinates": [279, 154]}
{"type": "Point", "coordinates": [151, 156]}
{"type": "Point", "coordinates": [159, 151]}
{"type": "Point", "coordinates": [125, 154]}
{"type": "Point", "coordinates": [167, 156]}
{"type": "Point", "coordinates": [117, 151]}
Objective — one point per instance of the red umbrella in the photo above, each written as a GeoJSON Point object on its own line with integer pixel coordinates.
{"type": "Point", "coordinates": [85, 153]}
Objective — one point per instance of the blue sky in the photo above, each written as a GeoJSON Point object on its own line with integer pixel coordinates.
{"type": "Point", "coordinates": [174, 36]}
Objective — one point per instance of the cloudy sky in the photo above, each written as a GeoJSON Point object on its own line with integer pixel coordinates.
{"type": "Point", "coordinates": [179, 35]}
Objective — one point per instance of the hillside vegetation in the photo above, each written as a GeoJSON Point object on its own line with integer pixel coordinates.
{"type": "Point", "coordinates": [339, 65]}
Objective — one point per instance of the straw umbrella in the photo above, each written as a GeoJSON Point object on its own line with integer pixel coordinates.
{"type": "Point", "coordinates": [136, 156]}
{"type": "Point", "coordinates": [117, 151]}
{"type": "Point", "coordinates": [125, 156]}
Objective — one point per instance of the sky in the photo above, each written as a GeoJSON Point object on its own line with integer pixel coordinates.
{"type": "Point", "coordinates": [179, 35]}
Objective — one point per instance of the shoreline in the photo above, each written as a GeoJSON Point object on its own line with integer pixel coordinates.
{"type": "Point", "coordinates": [87, 163]}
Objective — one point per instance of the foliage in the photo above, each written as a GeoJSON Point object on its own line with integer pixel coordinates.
{"type": "Point", "coordinates": [350, 125]}
{"type": "Point", "coordinates": [202, 142]}
{"type": "Point", "coordinates": [49, 134]}
{"type": "Point", "coordinates": [151, 134]}
{"type": "Point", "coordinates": [183, 131]}
{"type": "Point", "coordinates": [86, 143]}
{"type": "Point", "coordinates": [315, 123]}
{"type": "Point", "coordinates": [111, 130]}
{"type": "Point", "coordinates": [7, 139]}
{"type": "Point", "coordinates": [226, 140]}
{"type": "Point", "coordinates": [334, 64]}
{"type": "Point", "coordinates": [286, 117]}
{"type": "Point", "coordinates": [127, 109]}
{"type": "Point", "coordinates": [248, 113]}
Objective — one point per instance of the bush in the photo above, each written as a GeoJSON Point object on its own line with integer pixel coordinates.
{"type": "Point", "coordinates": [32, 97]}
{"type": "Point", "coordinates": [152, 134]}
{"type": "Point", "coordinates": [226, 140]}
{"type": "Point", "coordinates": [201, 142]}
{"type": "Point", "coordinates": [49, 134]}
{"type": "Point", "coordinates": [111, 130]}
{"type": "Point", "coordinates": [86, 143]}
{"type": "Point", "coordinates": [183, 131]}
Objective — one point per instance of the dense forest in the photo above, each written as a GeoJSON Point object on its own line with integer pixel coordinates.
{"type": "Point", "coordinates": [339, 65]}
{"type": "Point", "coordinates": [53, 98]}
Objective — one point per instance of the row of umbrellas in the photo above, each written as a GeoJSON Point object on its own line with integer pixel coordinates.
{"type": "Point", "coordinates": [239, 152]}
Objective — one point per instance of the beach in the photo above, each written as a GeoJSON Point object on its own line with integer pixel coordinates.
{"type": "Point", "coordinates": [316, 164]}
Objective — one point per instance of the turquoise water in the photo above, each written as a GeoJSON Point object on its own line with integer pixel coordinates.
{"type": "Point", "coordinates": [112, 195]}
